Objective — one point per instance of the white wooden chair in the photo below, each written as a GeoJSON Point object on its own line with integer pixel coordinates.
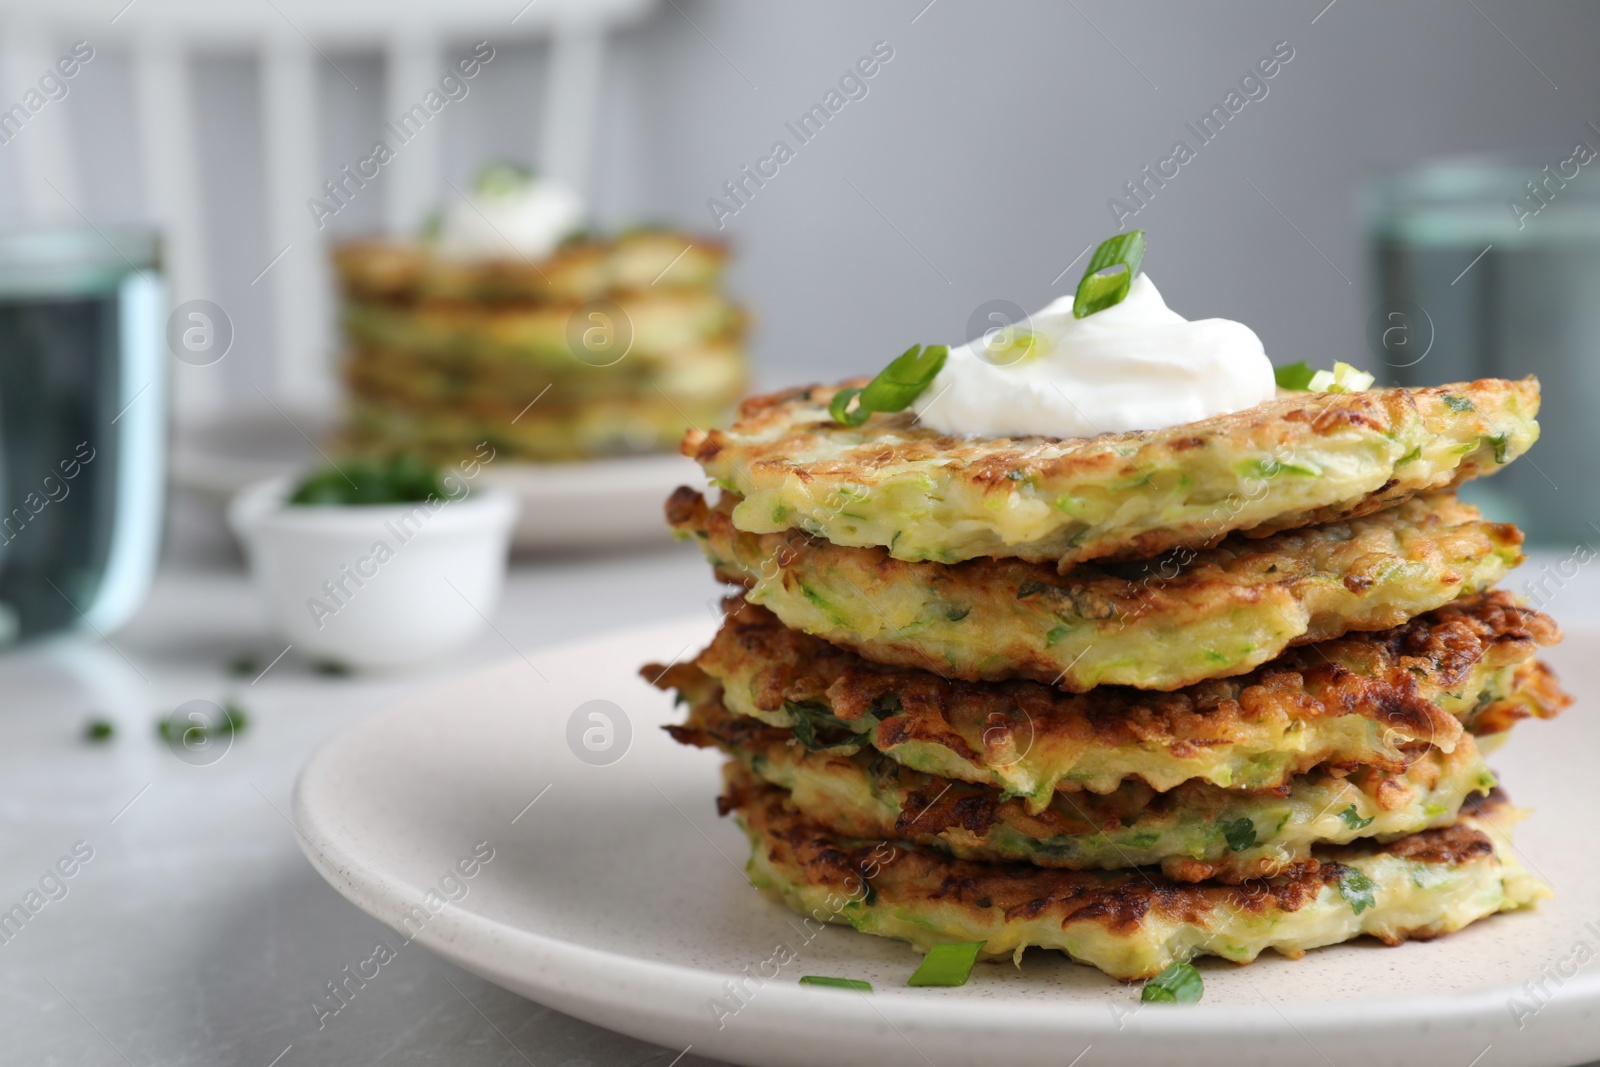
{"type": "Point", "coordinates": [290, 37]}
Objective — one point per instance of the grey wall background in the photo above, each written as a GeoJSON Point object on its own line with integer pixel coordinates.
{"type": "Point", "coordinates": [978, 165]}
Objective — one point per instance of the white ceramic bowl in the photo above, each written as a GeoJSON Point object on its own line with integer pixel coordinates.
{"type": "Point", "coordinates": [375, 585]}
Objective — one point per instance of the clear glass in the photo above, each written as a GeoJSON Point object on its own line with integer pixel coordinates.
{"type": "Point", "coordinates": [80, 330]}
{"type": "Point", "coordinates": [1491, 268]}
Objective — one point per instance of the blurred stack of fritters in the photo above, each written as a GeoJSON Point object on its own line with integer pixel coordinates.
{"type": "Point", "coordinates": [1137, 697]}
{"type": "Point", "coordinates": [604, 347]}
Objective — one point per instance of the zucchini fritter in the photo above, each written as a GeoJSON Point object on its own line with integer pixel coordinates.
{"type": "Point", "coordinates": [1372, 699]}
{"type": "Point", "coordinates": [661, 324]}
{"type": "Point", "coordinates": [1132, 923]}
{"type": "Point", "coordinates": [620, 426]}
{"type": "Point", "coordinates": [583, 270]}
{"type": "Point", "coordinates": [1298, 460]}
{"type": "Point", "coordinates": [1195, 832]}
{"type": "Point", "coordinates": [715, 370]}
{"type": "Point", "coordinates": [1160, 624]}
{"type": "Point", "coordinates": [448, 353]}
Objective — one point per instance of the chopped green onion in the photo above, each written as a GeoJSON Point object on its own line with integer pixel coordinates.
{"type": "Point", "coordinates": [904, 379]}
{"type": "Point", "coordinates": [1295, 376]}
{"type": "Point", "coordinates": [1013, 344]}
{"type": "Point", "coordinates": [1352, 818]}
{"type": "Point", "coordinates": [1357, 890]}
{"type": "Point", "coordinates": [233, 718]}
{"type": "Point", "coordinates": [895, 387]}
{"type": "Point", "coordinates": [1272, 467]}
{"type": "Point", "coordinates": [1343, 378]}
{"type": "Point", "coordinates": [1178, 983]}
{"type": "Point", "coordinates": [503, 178]}
{"type": "Point", "coordinates": [839, 408]}
{"type": "Point", "coordinates": [837, 983]}
{"type": "Point", "coordinates": [233, 721]}
{"type": "Point", "coordinates": [947, 965]}
{"type": "Point", "coordinates": [1241, 833]}
{"type": "Point", "coordinates": [398, 479]}
{"type": "Point", "coordinates": [1110, 272]}
{"type": "Point", "coordinates": [579, 236]}
{"type": "Point", "coordinates": [820, 731]}
{"type": "Point", "coordinates": [99, 730]}
{"type": "Point", "coordinates": [1457, 403]}
{"type": "Point", "coordinates": [432, 223]}
{"type": "Point", "coordinates": [1100, 291]}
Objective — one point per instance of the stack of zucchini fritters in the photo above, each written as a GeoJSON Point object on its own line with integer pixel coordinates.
{"type": "Point", "coordinates": [609, 346]}
{"type": "Point", "coordinates": [1138, 697]}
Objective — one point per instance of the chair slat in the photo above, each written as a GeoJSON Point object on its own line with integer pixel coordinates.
{"type": "Point", "coordinates": [572, 103]}
{"type": "Point", "coordinates": [170, 163]}
{"type": "Point", "coordinates": [412, 179]}
{"type": "Point", "coordinates": [39, 142]}
{"type": "Point", "coordinates": [299, 280]}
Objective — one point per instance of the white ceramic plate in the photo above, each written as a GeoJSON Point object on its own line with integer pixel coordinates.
{"type": "Point", "coordinates": [599, 504]}
{"type": "Point", "coordinates": [617, 896]}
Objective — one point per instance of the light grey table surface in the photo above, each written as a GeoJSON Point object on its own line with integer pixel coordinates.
{"type": "Point", "coordinates": [197, 933]}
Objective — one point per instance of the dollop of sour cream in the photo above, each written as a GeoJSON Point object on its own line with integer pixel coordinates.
{"type": "Point", "coordinates": [1137, 365]}
{"type": "Point", "coordinates": [527, 220]}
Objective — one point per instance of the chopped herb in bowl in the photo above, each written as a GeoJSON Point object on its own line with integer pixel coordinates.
{"type": "Point", "coordinates": [394, 480]}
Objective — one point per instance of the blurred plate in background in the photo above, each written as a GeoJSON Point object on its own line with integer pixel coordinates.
{"type": "Point", "coordinates": [597, 504]}
{"type": "Point", "coordinates": [602, 503]}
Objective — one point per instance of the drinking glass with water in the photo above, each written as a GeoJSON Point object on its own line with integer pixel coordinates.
{"type": "Point", "coordinates": [82, 427]}
{"type": "Point", "coordinates": [1491, 268]}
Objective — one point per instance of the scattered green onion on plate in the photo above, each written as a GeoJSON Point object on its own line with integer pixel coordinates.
{"type": "Point", "coordinates": [1178, 983]}
{"type": "Point", "coordinates": [947, 965]}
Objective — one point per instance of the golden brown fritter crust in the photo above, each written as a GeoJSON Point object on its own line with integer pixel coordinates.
{"type": "Point", "coordinates": [1298, 460]}
{"type": "Point", "coordinates": [857, 793]}
{"type": "Point", "coordinates": [660, 324]}
{"type": "Point", "coordinates": [400, 272]}
{"type": "Point", "coordinates": [1156, 624]}
{"type": "Point", "coordinates": [489, 387]}
{"type": "Point", "coordinates": [1535, 693]}
{"type": "Point", "coordinates": [613, 427]}
{"type": "Point", "coordinates": [1367, 697]}
{"type": "Point", "coordinates": [1120, 898]}
{"type": "Point", "coordinates": [1132, 923]}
